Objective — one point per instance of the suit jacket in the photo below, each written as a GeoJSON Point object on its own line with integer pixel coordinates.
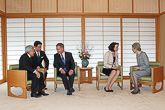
{"type": "Point", "coordinates": [108, 60]}
{"type": "Point", "coordinates": [69, 62]}
{"type": "Point", "coordinates": [26, 63]}
{"type": "Point", "coordinates": [42, 57]}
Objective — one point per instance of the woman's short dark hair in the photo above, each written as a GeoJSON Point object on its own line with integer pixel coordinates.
{"type": "Point", "coordinates": [36, 43]}
{"type": "Point", "coordinates": [112, 46]}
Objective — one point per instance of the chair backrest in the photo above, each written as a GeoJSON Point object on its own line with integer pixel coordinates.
{"type": "Point", "coordinates": [154, 63]}
{"type": "Point", "coordinates": [14, 67]}
{"type": "Point", "coordinates": [100, 64]}
{"type": "Point", "coordinates": [75, 69]}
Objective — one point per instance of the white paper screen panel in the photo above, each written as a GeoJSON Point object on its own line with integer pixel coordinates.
{"type": "Point", "coordinates": [140, 30]}
{"type": "Point", "coordinates": [100, 32]}
{"type": "Point", "coordinates": [62, 30]}
{"type": "Point", "coordinates": [20, 33]}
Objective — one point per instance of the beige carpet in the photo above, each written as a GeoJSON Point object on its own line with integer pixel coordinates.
{"type": "Point", "coordinates": [86, 99]}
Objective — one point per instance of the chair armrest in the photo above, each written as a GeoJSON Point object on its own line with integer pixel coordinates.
{"type": "Point", "coordinates": [121, 71]}
{"type": "Point", "coordinates": [97, 71]}
{"type": "Point", "coordinates": [55, 73]}
{"type": "Point", "coordinates": [42, 70]}
{"type": "Point", "coordinates": [17, 77]}
{"type": "Point", "coordinates": [77, 71]}
{"type": "Point", "coordinates": [132, 68]}
{"type": "Point", "coordinates": [157, 73]}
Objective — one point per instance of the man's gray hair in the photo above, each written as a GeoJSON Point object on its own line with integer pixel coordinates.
{"type": "Point", "coordinates": [28, 48]}
{"type": "Point", "coordinates": [137, 46]}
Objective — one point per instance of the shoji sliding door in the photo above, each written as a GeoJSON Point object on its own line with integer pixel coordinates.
{"type": "Point", "coordinates": [140, 30]}
{"type": "Point", "coordinates": [100, 32]}
{"type": "Point", "coordinates": [1, 68]}
{"type": "Point", "coordinates": [20, 33]}
{"type": "Point", "coordinates": [62, 30]}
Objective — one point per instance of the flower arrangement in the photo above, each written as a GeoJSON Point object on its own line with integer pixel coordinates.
{"type": "Point", "coordinates": [84, 55]}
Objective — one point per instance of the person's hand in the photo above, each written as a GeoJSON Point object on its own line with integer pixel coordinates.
{"type": "Point", "coordinates": [115, 68]}
{"type": "Point", "coordinates": [38, 69]}
{"type": "Point", "coordinates": [136, 68]}
{"type": "Point", "coordinates": [62, 71]}
{"type": "Point", "coordinates": [70, 72]}
{"type": "Point", "coordinates": [37, 74]}
{"type": "Point", "coordinates": [45, 70]}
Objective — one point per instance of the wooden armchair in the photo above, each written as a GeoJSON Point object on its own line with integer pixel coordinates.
{"type": "Point", "coordinates": [156, 77]}
{"type": "Point", "coordinates": [101, 78]}
{"type": "Point", "coordinates": [58, 80]}
{"type": "Point", "coordinates": [18, 78]}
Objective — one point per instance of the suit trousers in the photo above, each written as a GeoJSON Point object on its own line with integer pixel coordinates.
{"type": "Point", "coordinates": [45, 75]}
{"type": "Point", "coordinates": [37, 83]}
{"type": "Point", "coordinates": [68, 83]}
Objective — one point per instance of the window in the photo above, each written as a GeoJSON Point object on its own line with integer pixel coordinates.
{"type": "Point", "coordinates": [62, 30]}
{"type": "Point", "coordinates": [140, 30]}
{"type": "Point", "coordinates": [20, 33]}
{"type": "Point", "coordinates": [1, 69]}
{"type": "Point", "coordinates": [100, 32]}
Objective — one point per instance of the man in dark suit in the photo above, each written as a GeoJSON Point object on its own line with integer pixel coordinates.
{"type": "Point", "coordinates": [65, 65]}
{"type": "Point", "coordinates": [26, 63]}
{"type": "Point", "coordinates": [39, 56]}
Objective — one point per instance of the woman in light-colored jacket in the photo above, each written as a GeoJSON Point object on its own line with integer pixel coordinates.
{"type": "Point", "coordinates": [110, 67]}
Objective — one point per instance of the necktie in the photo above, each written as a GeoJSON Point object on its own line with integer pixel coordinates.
{"type": "Point", "coordinates": [38, 57]}
{"type": "Point", "coordinates": [63, 60]}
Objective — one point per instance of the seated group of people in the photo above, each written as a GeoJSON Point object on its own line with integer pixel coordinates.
{"type": "Point", "coordinates": [111, 68]}
{"type": "Point", "coordinates": [32, 59]}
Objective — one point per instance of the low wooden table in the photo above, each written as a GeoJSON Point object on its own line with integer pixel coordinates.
{"type": "Point", "coordinates": [83, 78]}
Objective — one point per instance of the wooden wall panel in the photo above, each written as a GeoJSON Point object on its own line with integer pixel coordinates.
{"type": "Point", "coordinates": [162, 6]}
{"type": "Point", "coordinates": [18, 6]}
{"type": "Point", "coordinates": [69, 5]}
{"type": "Point", "coordinates": [162, 40]}
{"type": "Point", "coordinates": [44, 6]}
{"type": "Point", "coordinates": [146, 6]}
{"type": "Point", "coordinates": [2, 5]}
{"type": "Point", "coordinates": [96, 6]}
{"type": "Point", "coordinates": [120, 6]}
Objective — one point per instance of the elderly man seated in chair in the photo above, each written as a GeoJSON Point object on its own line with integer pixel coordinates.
{"type": "Point", "coordinates": [26, 63]}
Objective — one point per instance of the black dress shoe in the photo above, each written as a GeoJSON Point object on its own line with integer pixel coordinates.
{"type": "Point", "coordinates": [107, 90]}
{"type": "Point", "coordinates": [69, 93]}
{"type": "Point", "coordinates": [136, 91]}
{"type": "Point", "coordinates": [43, 93]}
{"type": "Point", "coordinates": [72, 90]}
{"type": "Point", "coordinates": [35, 95]}
{"type": "Point", "coordinates": [110, 90]}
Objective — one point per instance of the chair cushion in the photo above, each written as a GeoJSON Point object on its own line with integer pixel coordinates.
{"type": "Point", "coordinates": [29, 82]}
{"type": "Point", "coordinates": [146, 79]}
{"type": "Point", "coordinates": [105, 77]}
{"type": "Point", "coordinates": [59, 79]}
